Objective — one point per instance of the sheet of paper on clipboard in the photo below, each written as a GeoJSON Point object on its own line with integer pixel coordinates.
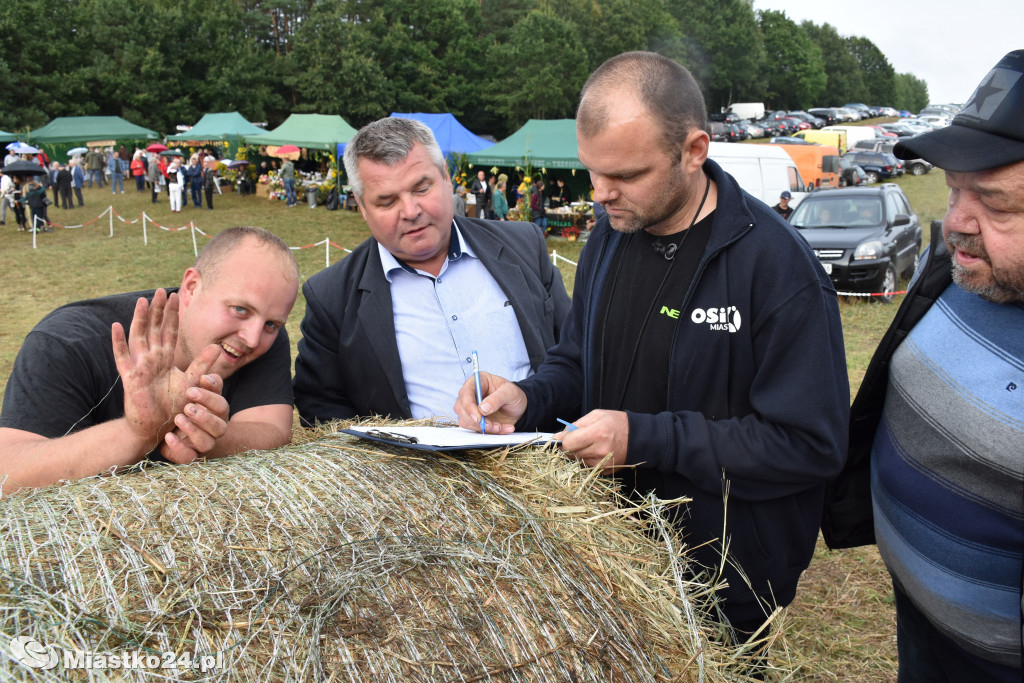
{"type": "Point", "coordinates": [446, 438]}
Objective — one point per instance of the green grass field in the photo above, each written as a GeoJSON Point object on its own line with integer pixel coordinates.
{"type": "Point", "coordinates": [841, 627]}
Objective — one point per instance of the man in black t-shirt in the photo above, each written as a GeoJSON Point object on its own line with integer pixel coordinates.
{"type": "Point", "coordinates": [202, 371]}
{"type": "Point", "coordinates": [783, 208]}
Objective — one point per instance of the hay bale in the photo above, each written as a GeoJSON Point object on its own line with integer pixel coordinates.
{"type": "Point", "coordinates": [343, 560]}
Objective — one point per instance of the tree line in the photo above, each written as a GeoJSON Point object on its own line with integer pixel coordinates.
{"type": "Point", "coordinates": [492, 63]}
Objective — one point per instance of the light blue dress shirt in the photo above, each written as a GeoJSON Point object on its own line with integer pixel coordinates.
{"type": "Point", "coordinates": [440, 321]}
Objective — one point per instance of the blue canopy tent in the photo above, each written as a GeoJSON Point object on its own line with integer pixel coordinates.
{"type": "Point", "coordinates": [451, 135]}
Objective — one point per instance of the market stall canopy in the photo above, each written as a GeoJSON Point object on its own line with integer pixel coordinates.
{"type": "Point", "coordinates": [228, 126]}
{"type": "Point", "coordinates": [452, 136]}
{"type": "Point", "coordinates": [87, 128]}
{"type": "Point", "coordinates": [311, 131]}
{"type": "Point", "coordinates": [545, 144]}
{"type": "Point", "coordinates": [6, 137]}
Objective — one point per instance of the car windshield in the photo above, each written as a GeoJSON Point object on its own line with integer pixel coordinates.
{"type": "Point", "coordinates": [838, 212]}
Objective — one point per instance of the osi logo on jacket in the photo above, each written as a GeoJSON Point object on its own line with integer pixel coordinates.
{"type": "Point", "coordinates": [726, 318]}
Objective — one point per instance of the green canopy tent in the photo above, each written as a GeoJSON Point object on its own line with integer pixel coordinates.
{"type": "Point", "coordinates": [539, 143]}
{"type": "Point", "coordinates": [220, 128]}
{"type": "Point", "coordinates": [89, 128]}
{"type": "Point", "coordinates": [7, 137]}
{"type": "Point", "coordinates": [65, 132]}
{"type": "Point", "coordinates": [311, 131]}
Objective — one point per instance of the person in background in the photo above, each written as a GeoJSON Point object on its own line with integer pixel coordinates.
{"type": "Point", "coordinates": [116, 172]}
{"type": "Point", "coordinates": [77, 179]}
{"type": "Point", "coordinates": [138, 169]}
{"type": "Point", "coordinates": [194, 181]}
{"type": "Point", "coordinates": [209, 180]}
{"type": "Point", "coordinates": [459, 198]}
{"type": "Point", "coordinates": [481, 192]}
{"type": "Point", "coordinates": [560, 194]}
{"type": "Point", "coordinates": [537, 205]}
{"type": "Point", "coordinates": [63, 185]}
{"type": "Point", "coordinates": [153, 177]}
{"type": "Point", "coordinates": [935, 474]}
{"type": "Point", "coordinates": [499, 205]}
{"type": "Point", "coordinates": [703, 357]}
{"type": "Point", "coordinates": [34, 197]}
{"type": "Point", "coordinates": [94, 162]}
{"type": "Point", "coordinates": [175, 184]}
{"type": "Point", "coordinates": [288, 178]}
{"type": "Point", "coordinates": [783, 208]}
{"type": "Point", "coordinates": [51, 178]}
{"type": "Point", "coordinates": [6, 196]}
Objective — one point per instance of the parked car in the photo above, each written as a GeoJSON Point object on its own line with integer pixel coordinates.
{"type": "Point", "coordinates": [753, 130]}
{"type": "Point", "coordinates": [882, 132]}
{"type": "Point", "coordinates": [850, 174]}
{"type": "Point", "coordinates": [877, 165]}
{"type": "Point", "coordinates": [863, 109]}
{"type": "Point", "coordinates": [887, 111]}
{"type": "Point", "coordinates": [724, 117]}
{"type": "Point", "coordinates": [804, 116]}
{"type": "Point", "coordinates": [899, 128]}
{"type": "Point", "coordinates": [849, 115]}
{"type": "Point", "coordinates": [717, 131]}
{"type": "Point", "coordinates": [827, 114]}
{"type": "Point", "coordinates": [865, 237]}
{"type": "Point", "coordinates": [789, 141]}
{"type": "Point", "coordinates": [734, 133]}
{"type": "Point", "coordinates": [912, 166]}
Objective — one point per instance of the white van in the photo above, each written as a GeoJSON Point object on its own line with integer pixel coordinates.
{"type": "Point", "coordinates": [762, 170]}
{"type": "Point", "coordinates": [751, 111]}
{"type": "Point", "coordinates": [854, 134]}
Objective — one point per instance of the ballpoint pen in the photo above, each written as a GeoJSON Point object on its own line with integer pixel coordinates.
{"type": "Point", "coordinates": [479, 396]}
{"type": "Point", "coordinates": [569, 426]}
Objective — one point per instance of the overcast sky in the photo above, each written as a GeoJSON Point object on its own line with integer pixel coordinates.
{"type": "Point", "coordinates": [950, 44]}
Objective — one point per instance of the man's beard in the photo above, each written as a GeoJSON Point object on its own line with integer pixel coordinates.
{"type": "Point", "coordinates": [671, 199]}
{"type": "Point", "coordinates": [999, 285]}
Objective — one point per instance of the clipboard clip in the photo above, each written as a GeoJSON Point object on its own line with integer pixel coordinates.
{"type": "Point", "coordinates": [390, 436]}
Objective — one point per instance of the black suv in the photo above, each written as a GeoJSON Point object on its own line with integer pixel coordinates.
{"type": "Point", "coordinates": [914, 166]}
{"type": "Point", "coordinates": [878, 165]}
{"type": "Point", "coordinates": [865, 237]}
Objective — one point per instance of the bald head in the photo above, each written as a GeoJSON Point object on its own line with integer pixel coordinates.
{"type": "Point", "coordinates": [663, 87]}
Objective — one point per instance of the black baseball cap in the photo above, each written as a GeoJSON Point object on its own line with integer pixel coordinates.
{"type": "Point", "coordinates": [989, 130]}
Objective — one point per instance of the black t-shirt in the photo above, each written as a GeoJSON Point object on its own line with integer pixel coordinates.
{"type": "Point", "coordinates": [785, 213]}
{"type": "Point", "coordinates": [65, 379]}
{"type": "Point", "coordinates": [639, 314]}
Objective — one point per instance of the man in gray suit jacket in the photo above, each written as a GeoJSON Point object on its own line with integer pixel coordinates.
{"type": "Point", "coordinates": [391, 329]}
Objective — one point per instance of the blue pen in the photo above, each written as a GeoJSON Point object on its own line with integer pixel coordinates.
{"type": "Point", "coordinates": [569, 426]}
{"type": "Point", "coordinates": [479, 396]}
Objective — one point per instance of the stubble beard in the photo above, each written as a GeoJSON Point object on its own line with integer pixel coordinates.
{"type": "Point", "coordinates": [998, 285]}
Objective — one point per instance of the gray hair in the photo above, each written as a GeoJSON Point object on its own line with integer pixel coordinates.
{"type": "Point", "coordinates": [389, 141]}
{"type": "Point", "coordinates": [665, 88]}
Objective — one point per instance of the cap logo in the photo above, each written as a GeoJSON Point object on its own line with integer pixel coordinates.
{"type": "Point", "coordinates": [987, 99]}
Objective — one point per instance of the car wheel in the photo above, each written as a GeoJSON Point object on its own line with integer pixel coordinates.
{"type": "Point", "coordinates": [888, 284]}
{"type": "Point", "coordinates": [872, 177]}
{"type": "Point", "coordinates": [917, 169]}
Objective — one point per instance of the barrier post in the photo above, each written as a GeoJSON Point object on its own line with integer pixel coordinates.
{"type": "Point", "coordinates": [110, 209]}
{"type": "Point", "coordinates": [327, 248]}
{"type": "Point", "coordinates": [192, 227]}
{"type": "Point", "coordinates": [33, 230]}
{"type": "Point", "coordinates": [554, 257]}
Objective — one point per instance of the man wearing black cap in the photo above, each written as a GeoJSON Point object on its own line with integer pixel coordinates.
{"type": "Point", "coordinates": [783, 208]}
{"type": "Point", "coordinates": [935, 474]}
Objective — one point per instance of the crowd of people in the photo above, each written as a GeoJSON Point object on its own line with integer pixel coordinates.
{"type": "Point", "coordinates": [158, 173]}
{"type": "Point", "coordinates": [492, 198]}
{"type": "Point", "coordinates": [701, 356]}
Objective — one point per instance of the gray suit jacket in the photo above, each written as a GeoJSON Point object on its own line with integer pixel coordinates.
{"type": "Point", "coordinates": [348, 363]}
